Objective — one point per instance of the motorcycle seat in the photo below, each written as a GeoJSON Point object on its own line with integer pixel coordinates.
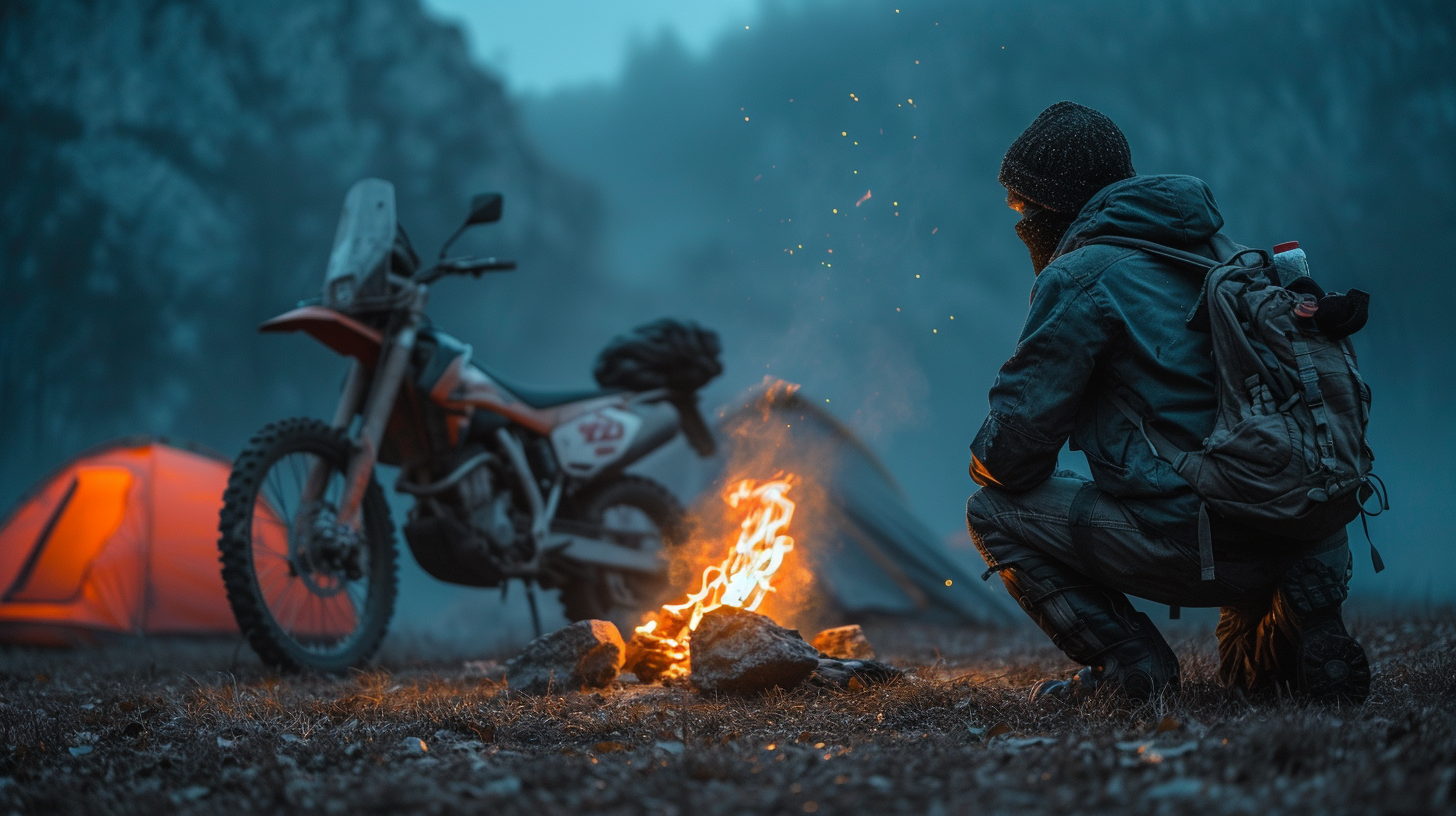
{"type": "Point", "coordinates": [546, 398]}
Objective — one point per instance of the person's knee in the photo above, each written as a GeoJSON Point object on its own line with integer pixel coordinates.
{"type": "Point", "coordinates": [982, 508]}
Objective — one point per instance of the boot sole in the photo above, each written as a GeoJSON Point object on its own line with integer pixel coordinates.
{"type": "Point", "coordinates": [1333, 666]}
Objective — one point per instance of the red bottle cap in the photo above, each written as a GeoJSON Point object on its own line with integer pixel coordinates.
{"type": "Point", "coordinates": [1285, 247]}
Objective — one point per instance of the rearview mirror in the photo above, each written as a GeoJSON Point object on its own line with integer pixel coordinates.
{"type": "Point", "coordinates": [485, 208]}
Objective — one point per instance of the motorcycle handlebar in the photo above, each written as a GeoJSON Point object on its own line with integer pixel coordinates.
{"type": "Point", "coordinates": [464, 266]}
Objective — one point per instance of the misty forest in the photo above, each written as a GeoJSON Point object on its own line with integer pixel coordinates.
{"type": "Point", "coordinates": [173, 175]}
{"type": "Point", "coordinates": [819, 188]}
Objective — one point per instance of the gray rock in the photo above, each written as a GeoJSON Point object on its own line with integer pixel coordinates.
{"type": "Point", "coordinates": [845, 643]}
{"type": "Point", "coordinates": [739, 652]}
{"type": "Point", "coordinates": [506, 785]}
{"type": "Point", "coordinates": [852, 674]}
{"type": "Point", "coordinates": [244, 162]}
{"type": "Point", "coordinates": [586, 654]}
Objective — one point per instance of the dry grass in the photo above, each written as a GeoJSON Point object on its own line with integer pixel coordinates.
{"type": "Point", "coordinates": [167, 730]}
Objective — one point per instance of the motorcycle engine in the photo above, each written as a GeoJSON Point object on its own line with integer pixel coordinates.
{"type": "Point", "coordinates": [488, 510]}
{"type": "Point", "coordinates": [471, 532]}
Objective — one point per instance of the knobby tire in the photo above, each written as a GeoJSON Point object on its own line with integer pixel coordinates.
{"type": "Point", "coordinates": [267, 637]}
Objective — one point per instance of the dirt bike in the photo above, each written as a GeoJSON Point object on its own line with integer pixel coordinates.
{"type": "Point", "coordinates": [508, 482]}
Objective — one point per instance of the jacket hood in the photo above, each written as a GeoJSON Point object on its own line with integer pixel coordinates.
{"type": "Point", "coordinates": [1175, 211]}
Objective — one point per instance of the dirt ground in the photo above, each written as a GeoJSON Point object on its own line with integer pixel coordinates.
{"type": "Point", "coordinates": [202, 728]}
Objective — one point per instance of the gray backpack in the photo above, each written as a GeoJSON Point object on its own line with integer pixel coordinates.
{"type": "Point", "coordinates": [1288, 453]}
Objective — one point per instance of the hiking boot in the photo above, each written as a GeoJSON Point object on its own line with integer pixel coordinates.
{"type": "Point", "coordinates": [1328, 664]}
{"type": "Point", "coordinates": [1332, 665]}
{"type": "Point", "coordinates": [1135, 683]}
{"type": "Point", "coordinates": [1095, 626]}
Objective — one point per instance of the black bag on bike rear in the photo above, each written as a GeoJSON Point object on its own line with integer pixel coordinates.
{"type": "Point", "coordinates": [678, 355]}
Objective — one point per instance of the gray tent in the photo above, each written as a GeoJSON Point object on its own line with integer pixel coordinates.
{"type": "Point", "coordinates": [874, 557]}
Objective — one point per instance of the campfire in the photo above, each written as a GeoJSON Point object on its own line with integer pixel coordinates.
{"type": "Point", "coordinates": [722, 637]}
{"type": "Point", "coordinates": [743, 579]}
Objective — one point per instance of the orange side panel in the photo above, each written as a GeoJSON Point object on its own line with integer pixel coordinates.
{"type": "Point", "coordinates": [18, 538]}
{"type": "Point", "coordinates": [88, 522]}
{"type": "Point", "coordinates": [186, 594]}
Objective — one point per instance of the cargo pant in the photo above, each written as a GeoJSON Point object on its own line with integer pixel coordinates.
{"type": "Point", "coordinates": [1066, 543]}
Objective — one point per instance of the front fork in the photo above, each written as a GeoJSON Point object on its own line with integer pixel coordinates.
{"type": "Point", "coordinates": [393, 363]}
{"type": "Point", "coordinates": [301, 534]}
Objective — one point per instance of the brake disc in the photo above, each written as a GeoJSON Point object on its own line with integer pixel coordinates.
{"type": "Point", "coordinates": [324, 549]}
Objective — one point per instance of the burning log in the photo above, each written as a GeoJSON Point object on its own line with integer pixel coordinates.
{"type": "Point", "coordinates": [586, 654]}
{"type": "Point", "coordinates": [717, 640]}
{"type": "Point", "coordinates": [740, 652]}
{"type": "Point", "coordinates": [742, 580]}
{"type": "Point", "coordinates": [658, 653]}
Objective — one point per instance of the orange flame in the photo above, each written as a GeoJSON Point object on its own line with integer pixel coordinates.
{"type": "Point", "coordinates": [743, 579]}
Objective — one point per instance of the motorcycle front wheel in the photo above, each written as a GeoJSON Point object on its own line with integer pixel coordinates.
{"type": "Point", "coordinates": [308, 593]}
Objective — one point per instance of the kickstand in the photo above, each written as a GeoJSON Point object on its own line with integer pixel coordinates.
{"type": "Point", "coordinates": [535, 614]}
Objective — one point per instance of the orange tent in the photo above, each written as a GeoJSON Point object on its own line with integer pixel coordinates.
{"type": "Point", "coordinates": [122, 539]}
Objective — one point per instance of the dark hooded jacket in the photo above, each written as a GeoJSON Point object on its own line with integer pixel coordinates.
{"type": "Point", "coordinates": [1105, 317]}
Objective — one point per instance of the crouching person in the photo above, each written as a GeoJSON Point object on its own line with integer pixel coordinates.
{"type": "Point", "coordinates": [1106, 330]}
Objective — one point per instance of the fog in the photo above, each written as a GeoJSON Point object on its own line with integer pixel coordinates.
{"type": "Point", "coordinates": [1326, 123]}
{"type": "Point", "coordinates": [172, 176]}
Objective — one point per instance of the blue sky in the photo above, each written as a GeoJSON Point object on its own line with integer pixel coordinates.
{"type": "Point", "coordinates": [540, 46]}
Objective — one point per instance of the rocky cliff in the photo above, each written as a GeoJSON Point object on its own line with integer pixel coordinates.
{"type": "Point", "coordinates": [172, 173]}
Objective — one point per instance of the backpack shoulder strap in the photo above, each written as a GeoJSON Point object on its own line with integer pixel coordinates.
{"type": "Point", "coordinates": [1224, 247]}
{"type": "Point", "coordinates": [1161, 447]}
{"type": "Point", "coordinates": [1166, 451]}
{"type": "Point", "coordinates": [1170, 253]}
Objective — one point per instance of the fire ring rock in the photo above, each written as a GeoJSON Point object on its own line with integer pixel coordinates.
{"type": "Point", "coordinates": [739, 652]}
{"type": "Point", "coordinates": [586, 654]}
{"type": "Point", "coordinates": [845, 643]}
{"type": "Point", "coordinates": [852, 674]}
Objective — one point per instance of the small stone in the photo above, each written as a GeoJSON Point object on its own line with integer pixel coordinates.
{"type": "Point", "coordinates": [414, 746]}
{"type": "Point", "coordinates": [997, 730]}
{"type": "Point", "coordinates": [505, 786]}
{"type": "Point", "coordinates": [585, 654]}
{"type": "Point", "coordinates": [735, 651]}
{"type": "Point", "coordinates": [844, 643]}
{"type": "Point", "coordinates": [1183, 788]}
{"type": "Point", "coordinates": [79, 750]}
{"type": "Point", "coordinates": [485, 669]}
{"type": "Point", "coordinates": [853, 675]}
{"type": "Point", "coordinates": [191, 793]}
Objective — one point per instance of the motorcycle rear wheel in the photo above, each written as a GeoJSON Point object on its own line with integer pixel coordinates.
{"type": "Point", "coordinates": [320, 604]}
{"type": "Point", "coordinates": [626, 508]}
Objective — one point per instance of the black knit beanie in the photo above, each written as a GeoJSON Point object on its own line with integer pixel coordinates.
{"type": "Point", "coordinates": [1065, 156]}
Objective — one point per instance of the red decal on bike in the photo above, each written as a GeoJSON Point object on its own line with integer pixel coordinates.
{"type": "Point", "coordinates": [602, 430]}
